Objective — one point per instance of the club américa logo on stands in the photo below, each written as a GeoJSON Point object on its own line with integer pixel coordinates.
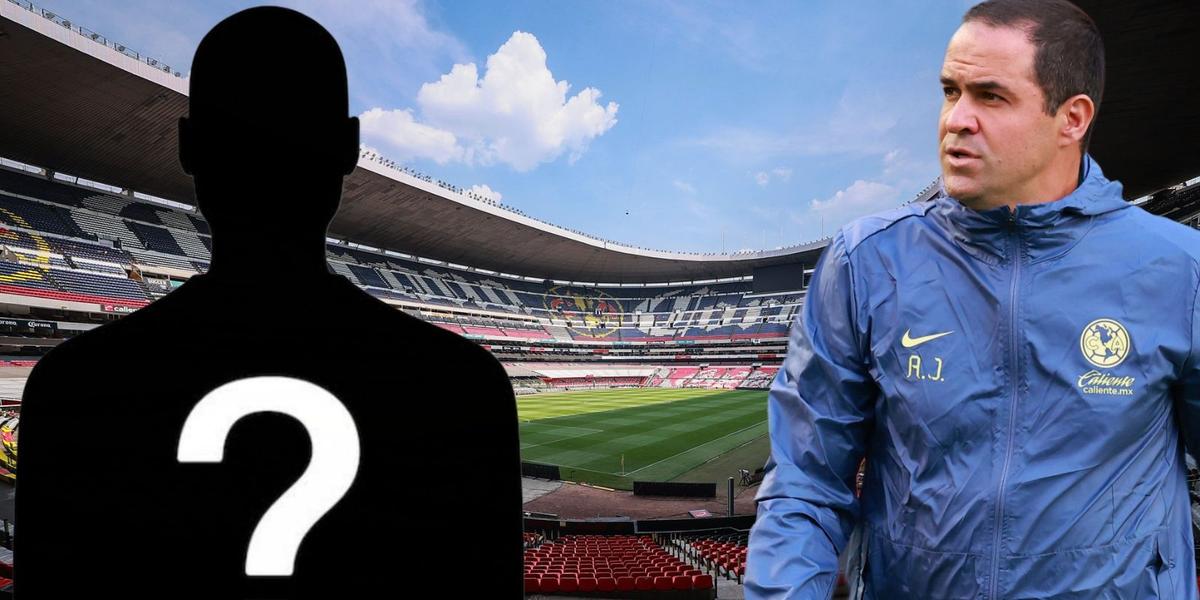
{"type": "Point", "coordinates": [1105, 343]}
{"type": "Point", "coordinates": [592, 314]}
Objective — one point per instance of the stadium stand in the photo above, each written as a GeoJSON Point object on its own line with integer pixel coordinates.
{"type": "Point", "coordinates": [725, 555]}
{"type": "Point", "coordinates": [759, 379]}
{"type": "Point", "coordinates": [680, 376]}
{"type": "Point", "coordinates": [635, 565]}
{"type": "Point", "coordinates": [66, 241]}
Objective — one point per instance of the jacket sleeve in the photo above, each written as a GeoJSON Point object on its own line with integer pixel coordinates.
{"type": "Point", "coordinates": [1187, 388]}
{"type": "Point", "coordinates": [820, 410]}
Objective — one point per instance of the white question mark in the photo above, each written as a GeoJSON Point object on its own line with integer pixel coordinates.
{"type": "Point", "coordinates": [334, 464]}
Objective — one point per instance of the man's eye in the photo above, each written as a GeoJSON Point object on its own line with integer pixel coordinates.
{"type": "Point", "coordinates": [949, 91]}
{"type": "Point", "coordinates": [989, 97]}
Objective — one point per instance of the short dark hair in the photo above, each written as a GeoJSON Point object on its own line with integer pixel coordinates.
{"type": "Point", "coordinates": [1068, 52]}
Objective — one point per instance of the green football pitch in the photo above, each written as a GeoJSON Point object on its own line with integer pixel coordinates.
{"type": "Point", "coordinates": [612, 437]}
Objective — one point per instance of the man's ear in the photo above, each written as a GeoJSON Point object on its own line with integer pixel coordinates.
{"type": "Point", "coordinates": [185, 145]}
{"type": "Point", "coordinates": [1078, 113]}
{"type": "Point", "coordinates": [350, 159]}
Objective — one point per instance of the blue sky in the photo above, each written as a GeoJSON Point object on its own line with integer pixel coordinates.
{"type": "Point", "coordinates": [693, 126]}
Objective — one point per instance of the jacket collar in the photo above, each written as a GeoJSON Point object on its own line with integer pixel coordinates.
{"type": "Point", "coordinates": [1047, 229]}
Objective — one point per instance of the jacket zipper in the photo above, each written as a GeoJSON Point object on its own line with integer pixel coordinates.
{"type": "Point", "coordinates": [1014, 374]}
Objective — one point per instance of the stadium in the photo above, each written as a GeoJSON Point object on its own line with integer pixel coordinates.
{"type": "Point", "coordinates": [641, 375]}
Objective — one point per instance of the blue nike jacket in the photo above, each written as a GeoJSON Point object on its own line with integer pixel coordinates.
{"type": "Point", "coordinates": [1019, 385]}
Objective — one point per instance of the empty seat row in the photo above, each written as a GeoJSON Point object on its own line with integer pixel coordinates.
{"type": "Point", "coordinates": [568, 584]}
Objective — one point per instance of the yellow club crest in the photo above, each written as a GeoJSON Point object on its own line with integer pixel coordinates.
{"type": "Point", "coordinates": [1105, 343]}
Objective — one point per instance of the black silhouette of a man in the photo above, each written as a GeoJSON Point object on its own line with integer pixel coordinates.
{"type": "Point", "coordinates": [103, 504]}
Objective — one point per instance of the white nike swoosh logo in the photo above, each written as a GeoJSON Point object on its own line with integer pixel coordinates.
{"type": "Point", "coordinates": [912, 342]}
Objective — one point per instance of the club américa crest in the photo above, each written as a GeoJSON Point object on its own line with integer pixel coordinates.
{"type": "Point", "coordinates": [593, 314]}
{"type": "Point", "coordinates": [1105, 343]}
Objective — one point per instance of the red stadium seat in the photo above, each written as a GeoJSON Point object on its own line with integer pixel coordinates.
{"type": "Point", "coordinates": [662, 583]}
{"type": "Point", "coordinates": [532, 584]}
{"type": "Point", "coordinates": [549, 584]}
{"type": "Point", "coordinates": [644, 583]}
{"type": "Point", "coordinates": [626, 584]}
{"type": "Point", "coordinates": [568, 584]}
{"type": "Point", "coordinates": [702, 582]}
{"type": "Point", "coordinates": [681, 582]}
{"type": "Point", "coordinates": [587, 584]}
{"type": "Point", "coordinates": [606, 584]}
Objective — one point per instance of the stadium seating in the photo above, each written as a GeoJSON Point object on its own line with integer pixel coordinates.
{"type": "Point", "coordinates": [157, 239]}
{"type": "Point", "coordinates": [724, 555]}
{"type": "Point", "coordinates": [590, 382]}
{"type": "Point", "coordinates": [86, 242]}
{"type": "Point", "coordinates": [759, 379]}
{"type": "Point", "coordinates": [85, 250]}
{"type": "Point", "coordinates": [37, 187]}
{"type": "Point", "coordinates": [598, 563]}
{"type": "Point", "coordinates": [29, 214]}
{"type": "Point", "coordinates": [98, 285]}
{"type": "Point", "coordinates": [679, 376]}
{"type": "Point", "coordinates": [13, 274]}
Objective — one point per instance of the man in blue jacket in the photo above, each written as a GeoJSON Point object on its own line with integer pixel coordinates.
{"type": "Point", "coordinates": [1018, 360]}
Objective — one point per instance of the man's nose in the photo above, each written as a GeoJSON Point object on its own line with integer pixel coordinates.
{"type": "Point", "coordinates": [961, 117]}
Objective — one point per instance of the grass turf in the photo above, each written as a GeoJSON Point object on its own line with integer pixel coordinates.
{"type": "Point", "coordinates": [661, 433]}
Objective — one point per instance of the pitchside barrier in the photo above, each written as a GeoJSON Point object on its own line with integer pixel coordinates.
{"type": "Point", "coordinates": [540, 471]}
{"type": "Point", "coordinates": [555, 528]}
{"type": "Point", "coordinates": [640, 488]}
{"type": "Point", "coordinates": [671, 488]}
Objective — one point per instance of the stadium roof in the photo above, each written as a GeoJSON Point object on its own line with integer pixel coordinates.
{"type": "Point", "coordinates": [73, 101]}
{"type": "Point", "coordinates": [1149, 122]}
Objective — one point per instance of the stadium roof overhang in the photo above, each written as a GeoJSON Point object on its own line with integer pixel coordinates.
{"type": "Point", "coordinates": [1149, 121]}
{"type": "Point", "coordinates": [71, 103]}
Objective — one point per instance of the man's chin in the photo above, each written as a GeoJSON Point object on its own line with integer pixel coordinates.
{"type": "Point", "coordinates": [960, 187]}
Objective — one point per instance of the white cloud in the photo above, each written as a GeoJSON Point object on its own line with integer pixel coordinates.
{"type": "Point", "coordinates": [516, 113]}
{"type": "Point", "coordinates": [684, 186]}
{"type": "Point", "coordinates": [486, 192]}
{"type": "Point", "coordinates": [861, 198]}
{"type": "Point", "coordinates": [762, 178]}
{"type": "Point", "coordinates": [406, 139]}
